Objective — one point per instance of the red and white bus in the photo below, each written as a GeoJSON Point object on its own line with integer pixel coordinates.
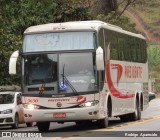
{"type": "Point", "coordinates": [82, 72]}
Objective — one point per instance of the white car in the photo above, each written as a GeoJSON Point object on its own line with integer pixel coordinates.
{"type": "Point", "coordinates": [11, 109]}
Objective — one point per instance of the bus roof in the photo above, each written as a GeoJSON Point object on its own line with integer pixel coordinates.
{"type": "Point", "coordinates": [78, 25]}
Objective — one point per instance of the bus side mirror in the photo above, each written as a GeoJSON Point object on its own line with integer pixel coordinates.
{"type": "Point", "coordinates": [12, 62]}
{"type": "Point", "coordinates": [99, 58]}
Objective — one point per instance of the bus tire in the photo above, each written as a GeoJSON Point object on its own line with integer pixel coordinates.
{"type": "Point", "coordinates": [103, 123]}
{"type": "Point", "coordinates": [43, 126]}
{"type": "Point", "coordinates": [137, 114]}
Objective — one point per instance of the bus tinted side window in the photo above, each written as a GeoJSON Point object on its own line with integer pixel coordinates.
{"type": "Point", "coordinates": [133, 50]}
{"type": "Point", "coordinates": [111, 39]}
{"type": "Point", "coordinates": [144, 51]}
{"type": "Point", "coordinates": [121, 47]}
{"type": "Point", "coordinates": [139, 51]}
{"type": "Point", "coordinates": [125, 48]}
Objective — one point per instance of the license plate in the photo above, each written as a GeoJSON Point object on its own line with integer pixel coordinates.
{"type": "Point", "coordinates": [59, 115]}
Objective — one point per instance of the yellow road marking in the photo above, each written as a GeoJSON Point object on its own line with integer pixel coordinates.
{"type": "Point", "coordinates": [98, 131]}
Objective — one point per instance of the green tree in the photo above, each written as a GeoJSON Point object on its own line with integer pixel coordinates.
{"type": "Point", "coordinates": [20, 14]}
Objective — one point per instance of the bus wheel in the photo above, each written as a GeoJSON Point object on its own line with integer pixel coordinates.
{"type": "Point", "coordinates": [43, 126]}
{"type": "Point", "coordinates": [103, 123]}
{"type": "Point", "coordinates": [137, 114]}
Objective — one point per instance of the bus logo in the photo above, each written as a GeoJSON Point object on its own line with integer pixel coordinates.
{"type": "Point", "coordinates": [59, 104]}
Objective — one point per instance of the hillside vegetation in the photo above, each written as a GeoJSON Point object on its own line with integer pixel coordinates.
{"type": "Point", "coordinates": [149, 12]}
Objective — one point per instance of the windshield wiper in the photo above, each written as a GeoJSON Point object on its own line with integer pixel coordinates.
{"type": "Point", "coordinates": [69, 83]}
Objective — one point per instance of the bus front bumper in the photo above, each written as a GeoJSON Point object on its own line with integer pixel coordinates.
{"type": "Point", "coordinates": [62, 115]}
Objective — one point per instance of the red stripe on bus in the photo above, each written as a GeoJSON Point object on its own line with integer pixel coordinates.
{"type": "Point", "coordinates": [112, 89]}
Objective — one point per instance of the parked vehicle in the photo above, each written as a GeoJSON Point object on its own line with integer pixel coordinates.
{"type": "Point", "coordinates": [152, 96]}
{"type": "Point", "coordinates": [11, 109]}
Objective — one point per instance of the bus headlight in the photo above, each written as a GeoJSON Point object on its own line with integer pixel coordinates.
{"type": "Point", "coordinates": [89, 104]}
{"type": "Point", "coordinates": [31, 106]}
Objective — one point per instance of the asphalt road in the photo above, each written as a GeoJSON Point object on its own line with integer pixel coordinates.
{"type": "Point", "coordinates": [148, 127]}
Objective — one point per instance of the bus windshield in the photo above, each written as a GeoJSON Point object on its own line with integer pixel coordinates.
{"type": "Point", "coordinates": [78, 68]}
{"type": "Point", "coordinates": [50, 69]}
